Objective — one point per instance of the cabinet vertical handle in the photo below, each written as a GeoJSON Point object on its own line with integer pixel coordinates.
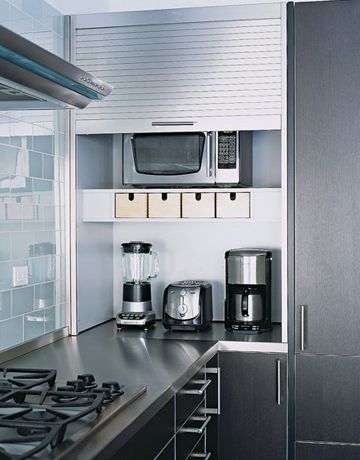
{"type": "Point", "coordinates": [302, 327]}
{"type": "Point", "coordinates": [278, 382]}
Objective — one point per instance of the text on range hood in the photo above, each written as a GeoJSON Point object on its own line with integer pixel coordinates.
{"type": "Point", "coordinates": [33, 78]}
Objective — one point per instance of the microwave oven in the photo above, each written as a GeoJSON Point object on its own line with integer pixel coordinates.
{"type": "Point", "coordinates": [190, 159]}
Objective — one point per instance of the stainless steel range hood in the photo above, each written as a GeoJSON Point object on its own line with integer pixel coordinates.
{"type": "Point", "coordinates": [33, 78]}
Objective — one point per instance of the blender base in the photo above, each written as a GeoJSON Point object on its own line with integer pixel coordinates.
{"type": "Point", "coordinates": [144, 320]}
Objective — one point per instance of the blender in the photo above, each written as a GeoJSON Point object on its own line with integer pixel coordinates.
{"type": "Point", "coordinates": [139, 264]}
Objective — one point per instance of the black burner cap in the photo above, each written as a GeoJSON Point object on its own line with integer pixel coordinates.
{"type": "Point", "coordinates": [77, 385]}
{"type": "Point", "coordinates": [88, 379]}
{"type": "Point", "coordinates": [113, 386]}
{"type": "Point", "coordinates": [39, 416]}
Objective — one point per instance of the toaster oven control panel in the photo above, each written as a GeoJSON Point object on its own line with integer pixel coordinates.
{"type": "Point", "coordinates": [227, 147]}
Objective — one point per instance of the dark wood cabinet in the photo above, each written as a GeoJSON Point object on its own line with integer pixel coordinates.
{"type": "Point", "coordinates": [327, 398]}
{"type": "Point", "coordinates": [327, 178]}
{"type": "Point", "coordinates": [326, 452]}
{"type": "Point", "coordinates": [252, 422]}
{"type": "Point", "coordinates": [325, 101]}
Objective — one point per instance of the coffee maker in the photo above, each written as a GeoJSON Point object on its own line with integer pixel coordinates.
{"type": "Point", "coordinates": [248, 290]}
{"type": "Point", "coordinates": [139, 264]}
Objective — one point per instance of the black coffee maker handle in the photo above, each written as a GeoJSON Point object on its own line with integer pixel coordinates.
{"type": "Point", "coordinates": [244, 305]}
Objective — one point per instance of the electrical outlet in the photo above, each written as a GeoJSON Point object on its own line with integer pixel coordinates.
{"type": "Point", "coordinates": [20, 276]}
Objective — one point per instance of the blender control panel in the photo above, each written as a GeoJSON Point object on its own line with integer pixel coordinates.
{"type": "Point", "coordinates": [227, 147]}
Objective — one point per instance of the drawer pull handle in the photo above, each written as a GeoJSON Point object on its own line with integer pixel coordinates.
{"type": "Point", "coordinates": [205, 455]}
{"type": "Point", "coordinates": [197, 430]}
{"type": "Point", "coordinates": [199, 391]}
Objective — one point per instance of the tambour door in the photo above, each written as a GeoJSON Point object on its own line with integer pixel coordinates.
{"type": "Point", "coordinates": [184, 69]}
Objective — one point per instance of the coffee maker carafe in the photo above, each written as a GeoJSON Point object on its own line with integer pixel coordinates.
{"type": "Point", "coordinates": [139, 265]}
{"type": "Point", "coordinates": [248, 290]}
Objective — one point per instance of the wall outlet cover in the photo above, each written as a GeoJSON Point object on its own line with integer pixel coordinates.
{"type": "Point", "coordinates": [20, 276]}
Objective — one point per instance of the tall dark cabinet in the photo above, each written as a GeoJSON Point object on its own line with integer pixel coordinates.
{"type": "Point", "coordinates": [327, 165]}
{"type": "Point", "coordinates": [325, 134]}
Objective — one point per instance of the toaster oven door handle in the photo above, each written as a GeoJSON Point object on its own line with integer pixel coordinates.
{"type": "Point", "coordinates": [199, 391]}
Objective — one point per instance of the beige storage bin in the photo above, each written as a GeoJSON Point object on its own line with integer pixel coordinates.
{"type": "Point", "coordinates": [198, 205]}
{"type": "Point", "coordinates": [131, 205]}
{"type": "Point", "coordinates": [231, 204]}
{"type": "Point", "coordinates": [164, 205]}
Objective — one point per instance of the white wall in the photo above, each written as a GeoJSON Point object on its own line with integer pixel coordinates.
{"type": "Point", "coordinates": [96, 6]}
{"type": "Point", "coordinates": [195, 250]}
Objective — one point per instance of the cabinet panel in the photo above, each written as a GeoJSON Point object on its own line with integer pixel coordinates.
{"type": "Point", "coordinates": [184, 67]}
{"type": "Point", "coordinates": [326, 452]}
{"type": "Point", "coordinates": [327, 398]}
{"type": "Point", "coordinates": [252, 424]}
{"type": "Point", "coordinates": [327, 165]}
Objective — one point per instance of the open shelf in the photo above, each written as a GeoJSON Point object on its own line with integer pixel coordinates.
{"type": "Point", "coordinates": [98, 205]}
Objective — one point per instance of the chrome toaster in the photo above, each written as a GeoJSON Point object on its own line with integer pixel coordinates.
{"type": "Point", "coordinates": [187, 305]}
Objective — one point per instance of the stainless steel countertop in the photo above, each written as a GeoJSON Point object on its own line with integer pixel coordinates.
{"type": "Point", "coordinates": [216, 332]}
{"type": "Point", "coordinates": [132, 358]}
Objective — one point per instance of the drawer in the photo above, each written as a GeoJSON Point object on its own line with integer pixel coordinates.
{"type": "Point", "coordinates": [212, 393]}
{"type": "Point", "coordinates": [313, 451]}
{"type": "Point", "coordinates": [189, 397]}
{"type": "Point", "coordinates": [163, 205]}
{"type": "Point", "coordinates": [168, 453]}
{"type": "Point", "coordinates": [149, 441]}
{"type": "Point", "coordinates": [233, 205]}
{"type": "Point", "coordinates": [189, 436]}
{"type": "Point", "coordinates": [128, 205]}
{"type": "Point", "coordinates": [198, 205]}
{"type": "Point", "coordinates": [200, 451]}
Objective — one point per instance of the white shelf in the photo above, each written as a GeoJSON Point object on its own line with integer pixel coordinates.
{"type": "Point", "coordinates": [183, 190]}
{"type": "Point", "coordinates": [98, 205]}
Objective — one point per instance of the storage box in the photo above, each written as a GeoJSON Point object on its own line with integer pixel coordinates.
{"type": "Point", "coordinates": [233, 205]}
{"type": "Point", "coordinates": [198, 205]}
{"type": "Point", "coordinates": [162, 205]}
{"type": "Point", "coordinates": [128, 205]}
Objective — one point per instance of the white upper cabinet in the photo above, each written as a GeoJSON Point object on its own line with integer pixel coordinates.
{"type": "Point", "coordinates": [185, 69]}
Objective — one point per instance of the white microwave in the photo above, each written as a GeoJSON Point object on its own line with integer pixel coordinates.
{"type": "Point", "coordinates": [216, 158]}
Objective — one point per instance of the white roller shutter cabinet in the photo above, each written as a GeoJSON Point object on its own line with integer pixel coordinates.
{"type": "Point", "coordinates": [193, 69]}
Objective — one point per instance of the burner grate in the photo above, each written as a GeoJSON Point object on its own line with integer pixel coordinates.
{"type": "Point", "coordinates": [34, 414]}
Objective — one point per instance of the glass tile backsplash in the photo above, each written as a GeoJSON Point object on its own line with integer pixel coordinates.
{"type": "Point", "coordinates": [32, 240]}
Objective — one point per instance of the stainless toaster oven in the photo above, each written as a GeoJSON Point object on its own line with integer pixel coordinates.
{"type": "Point", "coordinates": [187, 305]}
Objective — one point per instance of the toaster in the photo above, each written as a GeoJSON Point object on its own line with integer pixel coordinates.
{"type": "Point", "coordinates": [187, 305]}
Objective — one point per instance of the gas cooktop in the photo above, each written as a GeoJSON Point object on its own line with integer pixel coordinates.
{"type": "Point", "coordinates": [39, 415]}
